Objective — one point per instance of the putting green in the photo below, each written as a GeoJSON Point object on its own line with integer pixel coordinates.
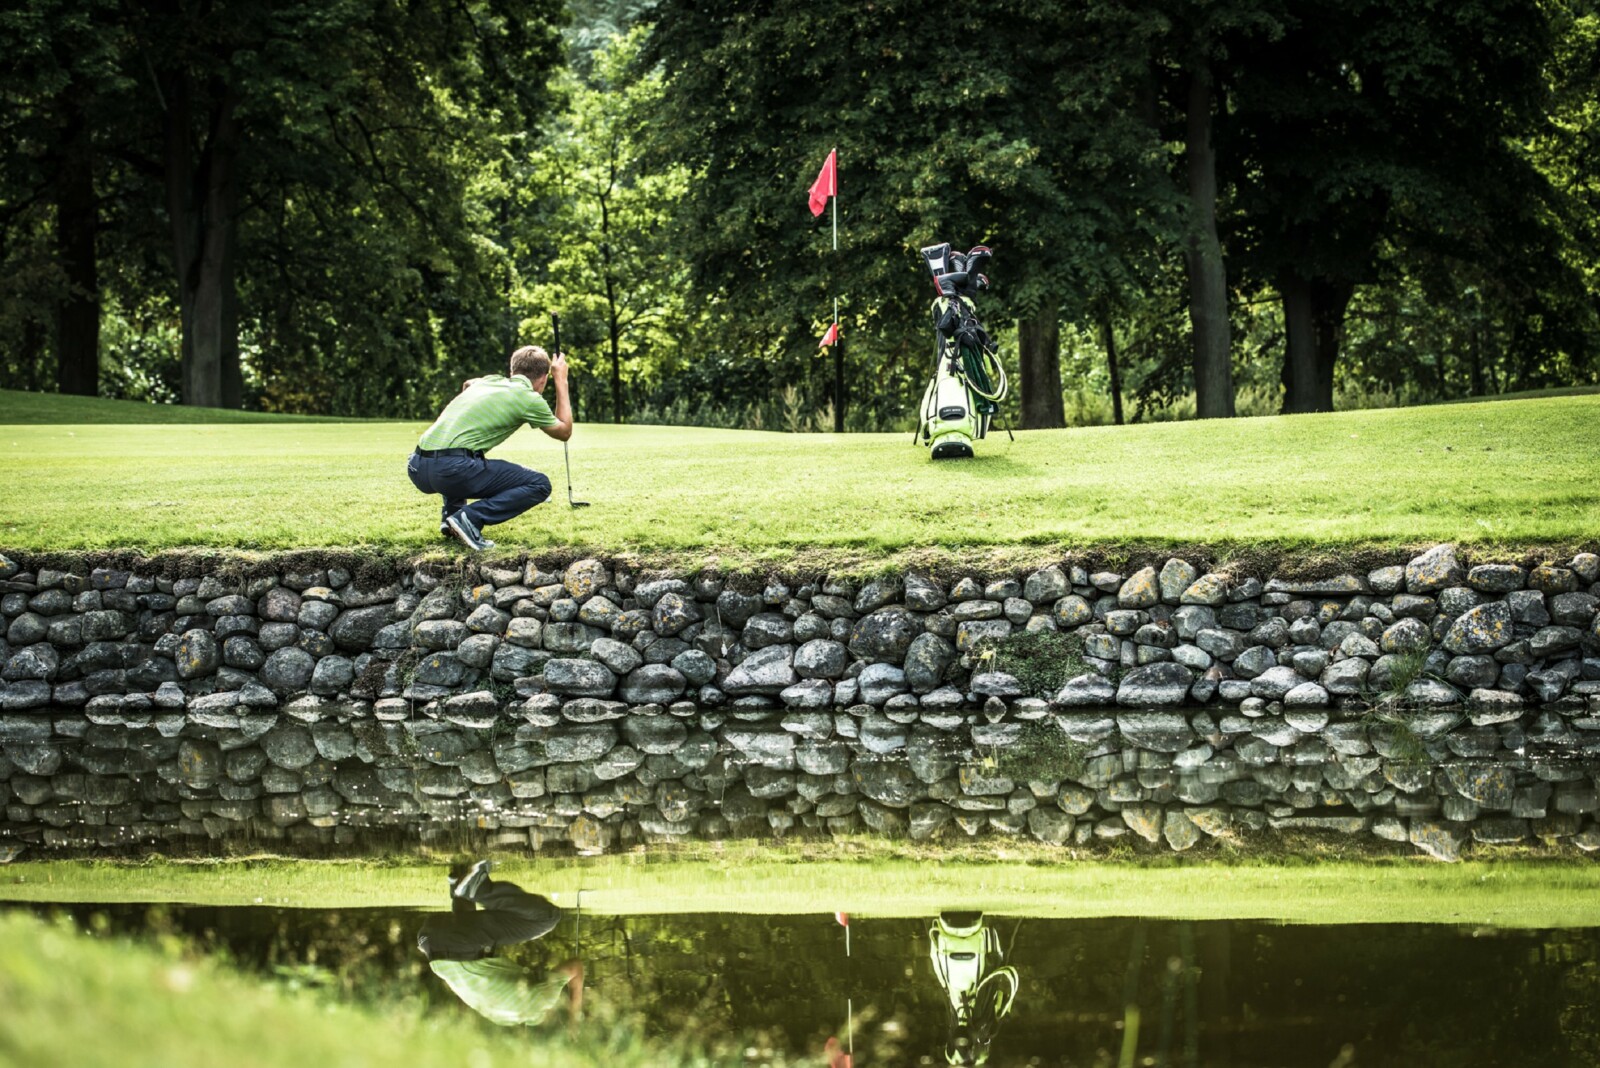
{"type": "Point", "coordinates": [1507, 474]}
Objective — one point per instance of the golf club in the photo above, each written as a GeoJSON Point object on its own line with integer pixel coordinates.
{"type": "Point", "coordinates": [555, 325]}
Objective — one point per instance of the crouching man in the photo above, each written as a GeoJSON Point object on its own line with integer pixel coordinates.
{"type": "Point", "coordinates": [450, 458]}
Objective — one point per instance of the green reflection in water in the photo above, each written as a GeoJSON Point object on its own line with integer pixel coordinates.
{"type": "Point", "coordinates": [1089, 992]}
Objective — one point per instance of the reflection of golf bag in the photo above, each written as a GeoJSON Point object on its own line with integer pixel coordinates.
{"type": "Point", "coordinates": [960, 946]}
{"type": "Point", "coordinates": [968, 382]}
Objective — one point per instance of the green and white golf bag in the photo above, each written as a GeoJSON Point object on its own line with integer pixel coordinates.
{"type": "Point", "coordinates": [965, 953]}
{"type": "Point", "coordinates": [968, 383]}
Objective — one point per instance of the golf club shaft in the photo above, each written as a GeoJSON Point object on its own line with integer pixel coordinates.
{"type": "Point", "coordinates": [567, 460]}
{"type": "Point", "coordinates": [566, 456]}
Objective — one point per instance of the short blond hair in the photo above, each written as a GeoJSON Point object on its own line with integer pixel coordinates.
{"type": "Point", "coordinates": [530, 362]}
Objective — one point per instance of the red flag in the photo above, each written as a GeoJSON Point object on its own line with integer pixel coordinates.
{"type": "Point", "coordinates": [830, 338]}
{"type": "Point", "coordinates": [826, 185]}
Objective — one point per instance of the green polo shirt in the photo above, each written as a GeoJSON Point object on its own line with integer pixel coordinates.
{"type": "Point", "coordinates": [486, 413]}
{"type": "Point", "coordinates": [501, 991]}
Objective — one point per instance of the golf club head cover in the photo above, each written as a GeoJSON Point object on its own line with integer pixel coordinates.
{"type": "Point", "coordinates": [950, 284]}
{"type": "Point", "coordinates": [978, 258]}
{"type": "Point", "coordinates": [937, 257]}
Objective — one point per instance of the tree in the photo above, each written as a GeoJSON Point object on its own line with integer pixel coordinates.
{"type": "Point", "coordinates": [1366, 122]}
{"type": "Point", "coordinates": [1039, 359]}
{"type": "Point", "coordinates": [613, 264]}
{"type": "Point", "coordinates": [1208, 282]}
{"type": "Point", "coordinates": [1006, 141]}
{"type": "Point", "coordinates": [60, 71]}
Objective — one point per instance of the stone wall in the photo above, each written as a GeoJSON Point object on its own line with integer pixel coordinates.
{"type": "Point", "coordinates": [592, 705]}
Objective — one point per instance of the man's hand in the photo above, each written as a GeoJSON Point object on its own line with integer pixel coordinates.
{"type": "Point", "coordinates": [469, 383]}
{"type": "Point", "coordinates": [562, 430]}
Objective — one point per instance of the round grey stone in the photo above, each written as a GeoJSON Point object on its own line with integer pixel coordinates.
{"type": "Point", "coordinates": [884, 635]}
{"type": "Point", "coordinates": [879, 682]}
{"type": "Point", "coordinates": [579, 678]}
{"type": "Point", "coordinates": [618, 656]}
{"type": "Point", "coordinates": [822, 659]}
{"type": "Point", "coordinates": [287, 670]}
{"type": "Point", "coordinates": [652, 684]}
{"type": "Point", "coordinates": [695, 666]}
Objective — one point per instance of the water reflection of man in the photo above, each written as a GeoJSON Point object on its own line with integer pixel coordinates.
{"type": "Point", "coordinates": [485, 916]}
{"type": "Point", "coordinates": [966, 953]}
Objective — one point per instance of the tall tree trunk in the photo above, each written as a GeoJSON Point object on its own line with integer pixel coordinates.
{"type": "Point", "coordinates": [31, 354]}
{"type": "Point", "coordinates": [1313, 319]}
{"type": "Point", "coordinates": [202, 202]}
{"type": "Point", "coordinates": [1108, 337]}
{"type": "Point", "coordinates": [616, 364]}
{"type": "Point", "coordinates": [1208, 284]}
{"type": "Point", "coordinates": [77, 219]}
{"type": "Point", "coordinates": [1039, 358]}
{"type": "Point", "coordinates": [1478, 387]}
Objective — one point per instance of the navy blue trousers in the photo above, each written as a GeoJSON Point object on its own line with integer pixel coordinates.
{"type": "Point", "coordinates": [501, 490]}
{"type": "Point", "coordinates": [510, 915]}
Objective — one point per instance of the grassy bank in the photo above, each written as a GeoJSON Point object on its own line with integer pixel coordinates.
{"type": "Point", "coordinates": [1511, 893]}
{"type": "Point", "coordinates": [19, 408]}
{"type": "Point", "coordinates": [1509, 473]}
{"type": "Point", "coordinates": [70, 999]}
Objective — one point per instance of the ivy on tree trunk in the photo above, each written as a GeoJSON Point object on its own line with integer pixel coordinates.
{"type": "Point", "coordinates": [1208, 283]}
{"type": "Point", "coordinates": [202, 201]}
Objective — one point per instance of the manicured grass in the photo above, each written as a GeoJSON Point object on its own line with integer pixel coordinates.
{"type": "Point", "coordinates": [74, 1000]}
{"type": "Point", "coordinates": [1502, 474]}
{"type": "Point", "coordinates": [1014, 882]}
{"type": "Point", "coordinates": [19, 407]}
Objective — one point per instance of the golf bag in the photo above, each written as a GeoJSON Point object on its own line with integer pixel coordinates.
{"type": "Point", "coordinates": [978, 996]}
{"type": "Point", "coordinates": [968, 383]}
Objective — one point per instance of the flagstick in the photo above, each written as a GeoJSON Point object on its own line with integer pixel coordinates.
{"type": "Point", "coordinates": [835, 155]}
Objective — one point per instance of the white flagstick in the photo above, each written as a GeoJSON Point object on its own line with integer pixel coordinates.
{"type": "Point", "coordinates": [849, 1002]}
{"type": "Point", "coordinates": [835, 157]}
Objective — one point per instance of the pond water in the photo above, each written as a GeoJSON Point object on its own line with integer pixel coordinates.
{"type": "Point", "coordinates": [1048, 992]}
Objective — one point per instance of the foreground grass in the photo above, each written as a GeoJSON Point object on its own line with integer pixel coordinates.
{"type": "Point", "coordinates": [1507, 893]}
{"type": "Point", "coordinates": [1510, 473]}
{"type": "Point", "coordinates": [86, 1002]}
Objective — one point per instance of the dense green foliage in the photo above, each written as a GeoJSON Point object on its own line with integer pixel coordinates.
{"type": "Point", "coordinates": [1498, 476]}
{"type": "Point", "coordinates": [347, 207]}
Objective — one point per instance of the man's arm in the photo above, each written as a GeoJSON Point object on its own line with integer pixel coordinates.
{"type": "Point", "coordinates": [561, 429]}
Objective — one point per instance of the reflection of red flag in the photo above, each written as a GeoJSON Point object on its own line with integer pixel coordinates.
{"type": "Point", "coordinates": [843, 918]}
{"type": "Point", "coordinates": [832, 338]}
{"type": "Point", "coordinates": [826, 185]}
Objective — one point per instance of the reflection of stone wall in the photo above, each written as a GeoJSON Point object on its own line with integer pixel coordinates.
{"type": "Point", "coordinates": [598, 705]}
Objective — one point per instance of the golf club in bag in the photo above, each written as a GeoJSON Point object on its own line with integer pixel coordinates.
{"type": "Point", "coordinates": [968, 383]}
{"type": "Point", "coordinates": [555, 326]}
